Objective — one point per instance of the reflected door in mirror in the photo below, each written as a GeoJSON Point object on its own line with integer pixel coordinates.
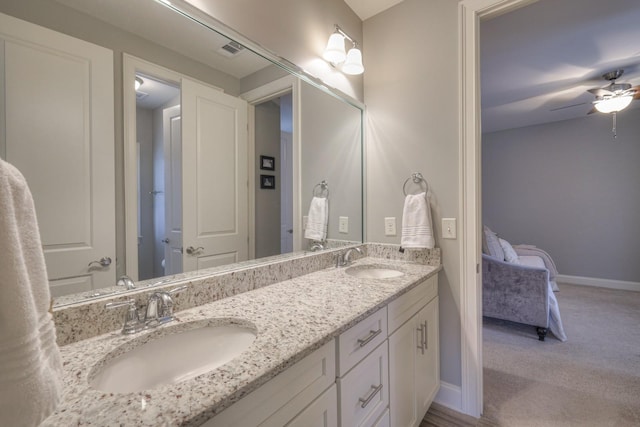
{"type": "Point", "coordinates": [59, 132]}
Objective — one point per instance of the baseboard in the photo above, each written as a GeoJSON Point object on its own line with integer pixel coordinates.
{"type": "Point", "coordinates": [450, 396]}
{"type": "Point", "coordinates": [601, 283]}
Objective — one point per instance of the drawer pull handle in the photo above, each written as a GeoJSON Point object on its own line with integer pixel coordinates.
{"type": "Point", "coordinates": [421, 338]}
{"type": "Point", "coordinates": [367, 340]}
{"type": "Point", "coordinates": [365, 402]}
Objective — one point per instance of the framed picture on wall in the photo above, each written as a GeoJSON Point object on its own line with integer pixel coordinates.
{"type": "Point", "coordinates": [268, 182]}
{"type": "Point", "coordinates": [267, 163]}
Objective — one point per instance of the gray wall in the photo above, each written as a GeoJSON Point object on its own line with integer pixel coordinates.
{"type": "Point", "coordinates": [570, 188]}
{"type": "Point", "coordinates": [144, 133]}
{"type": "Point", "coordinates": [412, 111]}
{"type": "Point", "coordinates": [267, 116]}
{"type": "Point", "coordinates": [331, 150]}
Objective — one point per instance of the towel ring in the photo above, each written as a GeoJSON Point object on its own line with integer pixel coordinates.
{"type": "Point", "coordinates": [417, 178]}
{"type": "Point", "coordinates": [322, 188]}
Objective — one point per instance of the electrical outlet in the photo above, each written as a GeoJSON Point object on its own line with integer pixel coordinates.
{"type": "Point", "coordinates": [390, 226]}
{"type": "Point", "coordinates": [448, 228]}
{"type": "Point", "coordinates": [305, 221]}
{"type": "Point", "coordinates": [343, 224]}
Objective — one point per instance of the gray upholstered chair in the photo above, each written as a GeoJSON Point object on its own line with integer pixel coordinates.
{"type": "Point", "coordinates": [518, 284]}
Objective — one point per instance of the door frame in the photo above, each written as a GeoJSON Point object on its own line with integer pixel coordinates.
{"type": "Point", "coordinates": [470, 13]}
{"type": "Point", "coordinates": [130, 66]}
{"type": "Point", "coordinates": [287, 84]}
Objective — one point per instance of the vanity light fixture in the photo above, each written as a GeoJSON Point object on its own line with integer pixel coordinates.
{"type": "Point", "coordinates": [335, 53]}
{"type": "Point", "coordinates": [138, 83]}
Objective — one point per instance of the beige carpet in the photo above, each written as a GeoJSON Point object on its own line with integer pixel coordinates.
{"type": "Point", "coordinates": [593, 379]}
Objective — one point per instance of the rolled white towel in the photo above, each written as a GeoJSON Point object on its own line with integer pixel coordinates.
{"type": "Point", "coordinates": [417, 230]}
{"type": "Point", "coordinates": [30, 364]}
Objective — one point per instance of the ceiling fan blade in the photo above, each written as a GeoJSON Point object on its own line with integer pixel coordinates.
{"type": "Point", "coordinates": [593, 110]}
{"type": "Point", "coordinates": [600, 92]}
{"type": "Point", "coordinates": [637, 94]}
{"type": "Point", "coordinates": [569, 106]}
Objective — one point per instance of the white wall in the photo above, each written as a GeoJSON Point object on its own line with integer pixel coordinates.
{"type": "Point", "coordinates": [570, 188]}
{"type": "Point", "coordinates": [411, 94]}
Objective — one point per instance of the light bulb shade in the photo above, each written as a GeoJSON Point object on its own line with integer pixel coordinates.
{"type": "Point", "coordinates": [614, 104]}
{"type": "Point", "coordinates": [334, 52]}
{"type": "Point", "coordinates": [353, 64]}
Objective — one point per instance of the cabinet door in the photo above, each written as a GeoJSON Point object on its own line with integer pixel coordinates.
{"type": "Point", "coordinates": [428, 363]}
{"type": "Point", "coordinates": [403, 354]}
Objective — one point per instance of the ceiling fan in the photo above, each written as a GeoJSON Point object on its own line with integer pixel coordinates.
{"type": "Point", "coordinates": [615, 97]}
{"type": "Point", "coordinates": [612, 98]}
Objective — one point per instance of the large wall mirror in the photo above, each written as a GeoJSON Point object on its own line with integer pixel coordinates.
{"type": "Point", "coordinates": [155, 145]}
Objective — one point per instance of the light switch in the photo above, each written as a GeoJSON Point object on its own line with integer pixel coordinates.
{"type": "Point", "coordinates": [343, 224]}
{"type": "Point", "coordinates": [448, 228]}
{"type": "Point", "coordinates": [390, 226]}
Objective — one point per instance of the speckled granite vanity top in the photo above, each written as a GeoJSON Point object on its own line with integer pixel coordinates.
{"type": "Point", "coordinates": [293, 318]}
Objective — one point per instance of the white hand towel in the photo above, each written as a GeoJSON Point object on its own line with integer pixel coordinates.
{"type": "Point", "coordinates": [318, 219]}
{"type": "Point", "coordinates": [417, 230]}
{"type": "Point", "coordinates": [30, 364]}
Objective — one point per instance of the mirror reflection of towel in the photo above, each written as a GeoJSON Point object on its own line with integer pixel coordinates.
{"type": "Point", "coordinates": [318, 219]}
{"type": "Point", "coordinates": [417, 230]}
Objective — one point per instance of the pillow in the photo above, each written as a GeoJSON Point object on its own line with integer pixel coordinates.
{"type": "Point", "coordinates": [510, 254]}
{"type": "Point", "coordinates": [493, 245]}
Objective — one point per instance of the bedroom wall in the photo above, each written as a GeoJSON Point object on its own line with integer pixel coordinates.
{"type": "Point", "coordinates": [570, 188]}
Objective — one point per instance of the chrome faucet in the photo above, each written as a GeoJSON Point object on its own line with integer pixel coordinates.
{"type": "Point", "coordinates": [344, 259]}
{"type": "Point", "coordinates": [160, 307]}
{"type": "Point", "coordinates": [159, 310]}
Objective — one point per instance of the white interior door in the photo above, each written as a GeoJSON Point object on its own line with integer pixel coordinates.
{"type": "Point", "coordinates": [214, 177]}
{"type": "Point", "coordinates": [59, 132]}
{"type": "Point", "coordinates": [172, 138]}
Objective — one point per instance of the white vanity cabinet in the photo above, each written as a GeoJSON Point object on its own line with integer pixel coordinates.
{"type": "Point", "coordinates": [384, 371]}
{"type": "Point", "coordinates": [414, 365]}
{"type": "Point", "coordinates": [363, 371]}
{"type": "Point", "coordinates": [308, 388]}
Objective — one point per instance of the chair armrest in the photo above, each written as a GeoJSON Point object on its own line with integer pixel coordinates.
{"type": "Point", "coordinates": [515, 292]}
{"type": "Point", "coordinates": [532, 250]}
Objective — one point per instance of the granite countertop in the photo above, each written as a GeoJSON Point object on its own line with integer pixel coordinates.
{"type": "Point", "coordinates": [292, 318]}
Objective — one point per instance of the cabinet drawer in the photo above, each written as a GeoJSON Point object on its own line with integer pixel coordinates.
{"type": "Point", "coordinates": [358, 341]}
{"type": "Point", "coordinates": [323, 412]}
{"type": "Point", "coordinates": [286, 394]}
{"type": "Point", "coordinates": [384, 420]}
{"type": "Point", "coordinates": [364, 392]}
{"type": "Point", "coordinates": [404, 307]}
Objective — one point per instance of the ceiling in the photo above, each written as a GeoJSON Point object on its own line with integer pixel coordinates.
{"type": "Point", "coordinates": [545, 56]}
{"type": "Point", "coordinates": [151, 20]}
{"type": "Point", "coordinates": [365, 9]}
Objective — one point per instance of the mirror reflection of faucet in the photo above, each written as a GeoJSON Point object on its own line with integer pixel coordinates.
{"type": "Point", "coordinates": [317, 245]}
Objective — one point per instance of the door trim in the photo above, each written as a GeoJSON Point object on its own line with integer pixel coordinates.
{"type": "Point", "coordinates": [470, 13]}
{"type": "Point", "coordinates": [256, 96]}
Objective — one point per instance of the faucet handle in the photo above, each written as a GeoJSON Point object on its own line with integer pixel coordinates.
{"type": "Point", "coordinates": [132, 322]}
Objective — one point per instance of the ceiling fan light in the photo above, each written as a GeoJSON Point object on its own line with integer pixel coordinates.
{"type": "Point", "coordinates": [353, 64]}
{"type": "Point", "coordinates": [334, 51]}
{"type": "Point", "coordinates": [613, 104]}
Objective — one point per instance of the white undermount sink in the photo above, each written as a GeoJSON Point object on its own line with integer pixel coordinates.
{"type": "Point", "coordinates": [373, 272]}
{"type": "Point", "coordinates": [169, 359]}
